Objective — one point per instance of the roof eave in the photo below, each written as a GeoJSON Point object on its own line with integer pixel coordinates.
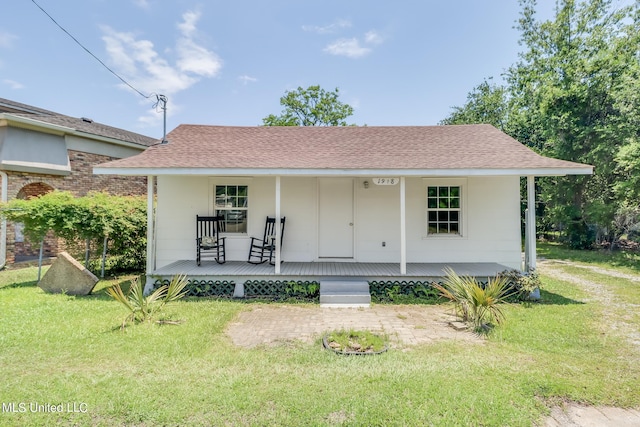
{"type": "Point", "coordinates": [151, 171]}
{"type": "Point", "coordinates": [7, 119]}
{"type": "Point", "coordinates": [40, 126]}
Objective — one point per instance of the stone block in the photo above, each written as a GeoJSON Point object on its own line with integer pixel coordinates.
{"type": "Point", "coordinates": [69, 276]}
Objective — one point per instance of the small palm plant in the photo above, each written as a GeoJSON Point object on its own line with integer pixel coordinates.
{"type": "Point", "coordinates": [475, 303]}
{"type": "Point", "coordinates": [143, 308]}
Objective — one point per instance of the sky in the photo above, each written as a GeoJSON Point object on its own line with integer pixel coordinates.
{"type": "Point", "coordinates": [397, 63]}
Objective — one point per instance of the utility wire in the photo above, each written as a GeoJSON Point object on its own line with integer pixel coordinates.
{"type": "Point", "coordinates": [91, 53]}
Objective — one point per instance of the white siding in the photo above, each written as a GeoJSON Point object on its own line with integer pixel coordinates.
{"type": "Point", "coordinates": [180, 199]}
{"type": "Point", "coordinates": [491, 216]}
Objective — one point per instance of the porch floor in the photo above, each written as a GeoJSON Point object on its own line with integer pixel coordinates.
{"type": "Point", "coordinates": [240, 271]}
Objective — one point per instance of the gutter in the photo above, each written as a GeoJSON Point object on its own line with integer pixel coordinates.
{"type": "Point", "coordinates": [419, 173]}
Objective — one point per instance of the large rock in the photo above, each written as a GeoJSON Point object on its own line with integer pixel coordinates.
{"type": "Point", "coordinates": [69, 276]}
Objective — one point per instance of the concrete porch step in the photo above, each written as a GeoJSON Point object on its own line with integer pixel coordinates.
{"type": "Point", "coordinates": [344, 293]}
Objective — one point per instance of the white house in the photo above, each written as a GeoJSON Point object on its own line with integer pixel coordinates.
{"type": "Point", "coordinates": [365, 201]}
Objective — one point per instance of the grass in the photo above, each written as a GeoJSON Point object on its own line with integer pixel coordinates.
{"type": "Point", "coordinates": [63, 349]}
{"type": "Point", "coordinates": [356, 341]}
{"type": "Point", "coordinates": [625, 261]}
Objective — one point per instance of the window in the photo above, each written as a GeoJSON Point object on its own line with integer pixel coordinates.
{"type": "Point", "coordinates": [231, 203]}
{"type": "Point", "coordinates": [444, 210]}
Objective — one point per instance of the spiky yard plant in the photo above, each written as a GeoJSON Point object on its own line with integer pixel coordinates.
{"type": "Point", "coordinates": [142, 308]}
{"type": "Point", "coordinates": [475, 304]}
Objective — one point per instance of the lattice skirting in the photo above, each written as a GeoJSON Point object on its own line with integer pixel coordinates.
{"type": "Point", "coordinates": [281, 288]}
{"type": "Point", "coordinates": [204, 288]}
{"type": "Point", "coordinates": [306, 289]}
{"type": "Point", "coordinates": [413, 288]}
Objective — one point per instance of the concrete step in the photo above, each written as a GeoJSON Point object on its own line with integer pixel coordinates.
{"type": "Point", "coordinates": [344, 293]}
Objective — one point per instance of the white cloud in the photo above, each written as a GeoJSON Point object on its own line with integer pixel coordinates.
{"type": "Point", "coordinates": [372, 37]}
{"type": "Point", "coordinates": [350, 48]}
{"type": "Point", "coordinates": [6, 39]}
{"type": "Point", "coordinates": [328, 29]}
{"type": "Point", "coordinates": [193, 57]}
{"type": "Point", "coordinates": [13, 84]}
{"type": "Point", "coordinates": [247, 79]}
{"type": "Point", "coordinates": [138, 61]}
{"type": "Point", "coordinates": [188, 25]}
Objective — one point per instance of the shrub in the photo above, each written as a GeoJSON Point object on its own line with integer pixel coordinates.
{"type": "Point", "coordinates": [143, 308]}
{"type": "Point", "coordinates": [78, 220]}
{"type": "Point", "coordinates": [475, 303]}
{"type": "Point", "coordinates": [578, 235]}
{"type": "Point", "coordinates": [522, 284]}
{"type": "Point", "coordinates": [403, 292]}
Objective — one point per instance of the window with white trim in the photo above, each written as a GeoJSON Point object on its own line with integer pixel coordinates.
{"type": "Point", "coordinates": [231, 203]}
{"type": "Point", "coordinates": [444, 210]}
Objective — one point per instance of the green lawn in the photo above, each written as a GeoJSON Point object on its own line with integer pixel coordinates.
{"type": "Point", "coordinates": [623, 260]}
{"type": "Point", "coordinates": [59, 349]}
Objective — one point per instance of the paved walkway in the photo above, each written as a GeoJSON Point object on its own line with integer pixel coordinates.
{"type": "Point", "coordinates": [405, 326]}
{"type": "Point", "coordinates": [574, 415]}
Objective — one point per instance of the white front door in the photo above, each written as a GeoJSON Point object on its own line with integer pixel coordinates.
{"type": "Point", "coordinates": [335, 218]}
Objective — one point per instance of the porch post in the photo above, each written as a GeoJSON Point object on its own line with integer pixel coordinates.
{"type": "Point", "coordinates": [278, 228]}
{"type": "Point", "coordinates": [403, 227]}
{"type": "Point", "coordinates": [151, 256]}
{"type": "Point", "coordinates": [531, 223]}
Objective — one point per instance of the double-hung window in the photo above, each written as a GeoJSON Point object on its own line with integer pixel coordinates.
{"type": "Point", "coordinates": [444, 210]}
{"type": "Point", "coordinates": [231, 202]}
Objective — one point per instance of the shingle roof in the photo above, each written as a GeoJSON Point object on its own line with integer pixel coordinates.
{"type": "Point", "coordinates": [81, 125]}
{"type": "Point", "coordinates": [351, 148]}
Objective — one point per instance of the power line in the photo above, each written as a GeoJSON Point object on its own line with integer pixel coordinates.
{"type": "Point", "coordinates": [161, 100]}
{"type": "Point", "coordinates": [91, 53]}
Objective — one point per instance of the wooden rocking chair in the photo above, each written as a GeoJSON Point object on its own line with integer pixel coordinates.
{"type": "Point", "coordinates": [263, 250]}
{"type": "Point", "coordinates": [209, 244]}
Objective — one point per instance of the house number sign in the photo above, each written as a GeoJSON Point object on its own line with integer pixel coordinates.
{"type": "Point", "coordinates": [385, 181]}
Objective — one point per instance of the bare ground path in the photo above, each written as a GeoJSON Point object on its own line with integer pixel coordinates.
{"type": "Point", "coordinates": [573, 414]}
{"type": "Point", "coordinates": [614, 308]}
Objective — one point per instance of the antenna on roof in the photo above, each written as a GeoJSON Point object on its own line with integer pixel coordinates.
{"type": "Point", "coordinates": [161, 103]}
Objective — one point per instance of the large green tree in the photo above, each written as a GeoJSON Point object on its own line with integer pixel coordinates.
{"type": "Point", "coordinates": [313, 106]}
{"type": "Point", "coordinates": [574, 94]}
{"type": "Point", "coordinates": [486, 103]}
{"type": "Point", "coordinates": [577, 80]}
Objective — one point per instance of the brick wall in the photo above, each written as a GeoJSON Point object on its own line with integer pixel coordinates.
{"type": "Point", "coordinates": [80, 182]}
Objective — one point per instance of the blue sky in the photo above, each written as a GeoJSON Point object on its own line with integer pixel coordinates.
{"type": "Point", "coordinates": [229, 62]}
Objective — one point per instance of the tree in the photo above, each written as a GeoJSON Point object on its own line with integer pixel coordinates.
{"type": "Point", "coordinates": [574, 94]}
{"type": "Point", "coordinates": [310, 107]}
{"type": "Point", "coordinates": [572, 81]}
{"type": "Point", "coordinates": [486, 103]}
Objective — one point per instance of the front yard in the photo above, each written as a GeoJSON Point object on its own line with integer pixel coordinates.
{"type": "Point", "coordinates": [59, 351]}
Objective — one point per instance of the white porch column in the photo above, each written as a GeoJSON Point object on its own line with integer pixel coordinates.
{"type": "Point", "coordinates": [403, 227]}
{"type": "Point", "coordinates": [531, 222]}
{"type": "Point", "coordinates": [151, 253]}
{"type": "Point", "coordinates": [277, 225]}
{"type": "Point", "coordinates": [150, 234]}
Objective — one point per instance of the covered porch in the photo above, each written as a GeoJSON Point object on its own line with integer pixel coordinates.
{"type": "Point", "coordinates": [370, 203]}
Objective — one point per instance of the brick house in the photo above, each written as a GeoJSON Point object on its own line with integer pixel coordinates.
{"type": "Point", "coordinates": [42, 151]}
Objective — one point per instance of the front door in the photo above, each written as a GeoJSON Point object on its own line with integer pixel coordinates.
{"type": "Point", "coordinates": [335, 218]}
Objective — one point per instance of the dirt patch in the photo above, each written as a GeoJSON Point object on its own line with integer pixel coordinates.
{"type": "Point", "coordinates": [405, 325]}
